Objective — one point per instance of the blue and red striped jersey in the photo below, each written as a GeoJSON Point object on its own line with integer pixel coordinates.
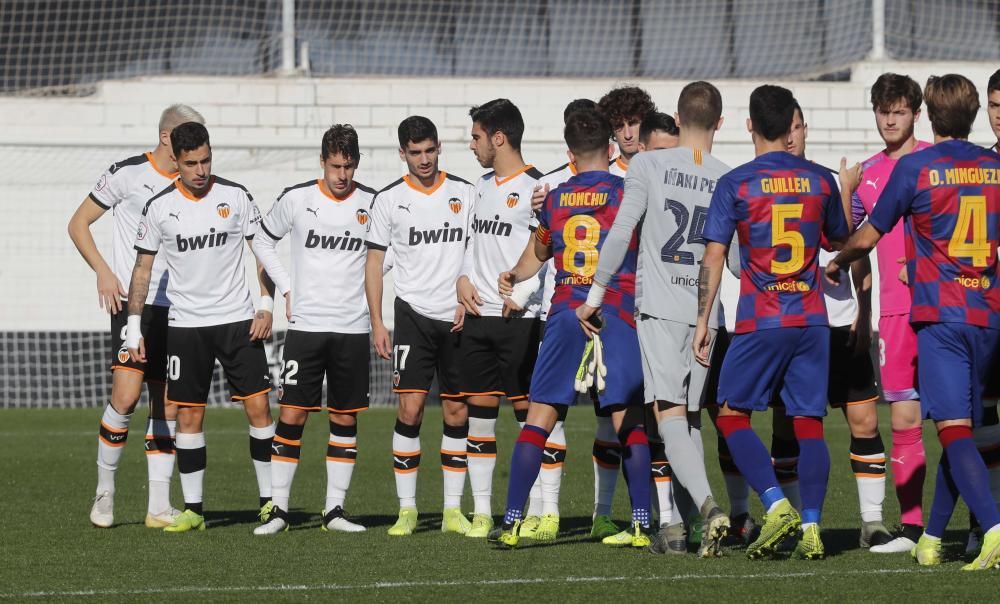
{"type": "Point", "coordinates": [950, 196]}
{"type": "Point", "coordinates": [781, 206]}
{"type": "Point", "coordinates": [575, 221]}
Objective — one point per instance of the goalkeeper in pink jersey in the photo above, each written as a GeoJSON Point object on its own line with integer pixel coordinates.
{"type": "Point", "coordinates": [896, 101]}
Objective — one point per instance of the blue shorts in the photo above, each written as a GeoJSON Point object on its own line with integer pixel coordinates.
{"type": "Point", "coordinates": [791, 361]}
{"type": "Point", "coordinates": [954, 361]}
{"type": "Point", "coordinates": [562, 349]}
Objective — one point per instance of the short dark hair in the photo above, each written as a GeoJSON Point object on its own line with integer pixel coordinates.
{"type": "Point", "coordinates": [416, 128]}
{"type": "Point", "coordinates": [625, 103]}
{"type": "Point", "coordinates": [952, 104]}
{"type": "Point", "coordinates": [342, 139]}
{"type": "Point", "coordinates": [188, 137]}
{"type": "Point", "coordinates": [797, 107]}
{"type": "Point", "coordinates": [771, 111]}
{"type": "Point", "coordinates": [994, 83]}
{"type": "Point", "coordinates": [890, 88]}
{"type": "Point", "coordinates": [700, 105]}
{"type": "Point", "coordinates": [577, 105]}
{"type": "Point", "coordinates": [657, 121]}
{"type": "Point", "coordinates": [587, 131]}
{"type": "Point", "coordinates": [500, 115]}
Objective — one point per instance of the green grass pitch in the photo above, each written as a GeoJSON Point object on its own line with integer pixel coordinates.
{"type": "Point", "coordinates": [50, 552]}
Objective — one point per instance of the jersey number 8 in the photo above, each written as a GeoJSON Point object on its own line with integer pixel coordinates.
{"type": "Point", "coordinates": [587, 246]}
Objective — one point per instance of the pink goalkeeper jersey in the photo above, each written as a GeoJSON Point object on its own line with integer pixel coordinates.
{"type": "Point", "coordinates": [894, 296]}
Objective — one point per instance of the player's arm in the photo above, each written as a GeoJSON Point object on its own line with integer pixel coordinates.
{"type": "Point", "coordinates": [861, 331]}
{"type": "Point", "coordinates": [849, 178]}
{"type": "Point", "coordinates": [535, 254]}
{"type": "Point", "coordinates": [709, 278]}
{"type": "Point", "coordinates": [110, 290]}
{"type": "Point", "coordinates": [373, 292]}
{"type": "Point", "coordinates": [615, 247]}
{"type": "Point", "coordinates": [271, 269]}
{"type": "Point", "coordinates": [260, 327]}
{"type": "Point", "coordinates": [137, 291]}
{"type": "Point", "coordinates": [465, 291]}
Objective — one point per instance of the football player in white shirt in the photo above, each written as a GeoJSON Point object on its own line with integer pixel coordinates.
{"type": "Point", "coordinates": [852, 377]}
{"type": "Point", "coordinates": [625, 107]}
{"type": "Point", "coordinates": [424, 216]}
{"type": "Point", "coordinates": [499, 340]}
{"type": "Point", "coordinates": [199, 224]}
{"type": "Point", "coordinates": [124, 189]}
{"type": "Point", "coordinates": [328, 321]}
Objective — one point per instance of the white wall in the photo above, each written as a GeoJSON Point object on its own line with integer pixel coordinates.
{"type": "Point", "coordinates": [266, 133]}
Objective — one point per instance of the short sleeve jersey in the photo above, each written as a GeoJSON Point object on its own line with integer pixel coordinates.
{"type": "Point", "coordinates": [124, 188]}
{"type": "Point", "coordinates": [427, 228]}
{"type": "Point", "coordinates": [328, 254]}
{"type": "Point", "coordinates": [950, 196]}
{"type": "Point", "coordinates": [894, 296]}
{"type": "Point", "coordinates": [575, 221]}
{"type": "Point", "coordinates": [780, 206]}
{"type": "Point", "coordinates": [619, 167]}
{"type": "Point", "coordinates": [502, 222]}
{"type": "Point", "coordinates": [202, 242]}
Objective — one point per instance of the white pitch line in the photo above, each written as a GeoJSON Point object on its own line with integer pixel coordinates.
{"type": "Point", "coordinates": [197, 589]}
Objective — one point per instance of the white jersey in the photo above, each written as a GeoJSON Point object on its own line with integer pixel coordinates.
{"type": "Point", "coordinates": [427, 228]}
{"type": "Point", "coordinates": [841, 307]}
{"type": "Point", "coordinates": [124, 188]}
{"type": "Point", "coordinates": [202, 242]}
{"type": "Point", "coordinates": [619, 167]}
{"type": "Point", "coordinates": [328, 255]}
{"type": "Point", "coordinates": [548, 272]}
{"type": "Point", "coordinates": [502, 224]}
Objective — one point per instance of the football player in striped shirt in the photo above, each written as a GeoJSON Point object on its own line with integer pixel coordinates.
{"type": "Point", "coordinates": [574, 221]}
{"type": "Point", "coordinates": [780, 206]}
{"type": "Point", "coordinates": [500, 337]}
{"type": "Point", "coordinates": [328, 322]}
{"type": "Point", "coordinates": [124, 189]}
{"type": "Point", "coordinates": [950, 195]}
{"type": "Point", "coordinates": [424, 216]}
{"type": "Point", "coordinates": [199, 225]}
{"type": "Point", "coordinates": [625, 107]}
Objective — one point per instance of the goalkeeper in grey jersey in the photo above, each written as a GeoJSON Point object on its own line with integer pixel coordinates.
{"type": "Point", "coordinates": [669, 192]}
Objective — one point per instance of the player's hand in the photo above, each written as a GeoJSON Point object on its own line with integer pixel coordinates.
{"type": "Point", "coordinates": [511, 308]}
{"type": "Point", "coordinates": [833, 272]}
{"type": "Point", "coordinates": [288, 306]}
{"type": "Point", "coordinates": [850, 178]}
{"type": "Point", "coordinates": [139, 352]}
{"type": "Point", "coordinates": [584, 314]}
{"type": "Point", "coordinates": [860, 338]}
{"type": "Point", "coordinates": [468, 296]}
{"type": "Point", "coordinates": [505, 284]}
{"type": "Point", "coordinates": [903, 275]}
{"type": "Point", "coordinates": [382, 341]}
{"type": "Point", "coordinates": [459, 321]}
{"type": "Point", "coordinates": [110, 291]}
{"type": "Point", "coordinates": [538, 197]}
{"type": "Point", "coordinates": [260, 327]}
{"type": "Point", "coordinates": [702, 343]}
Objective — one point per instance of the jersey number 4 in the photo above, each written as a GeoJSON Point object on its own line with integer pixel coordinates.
{"type": "Point", "coordinates": [971, 216]}
{"type": "Point", "coordinates": [671, 251]}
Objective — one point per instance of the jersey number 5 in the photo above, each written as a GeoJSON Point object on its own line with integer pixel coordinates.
{"type": "Point", "coordinates": [575, 246]}
{"type": "Point", "coordinates": [671, 251]}
{"type": "Point", "coordinates": [780, 235]}
{"type": "Point", "coordinates": [971, 213]}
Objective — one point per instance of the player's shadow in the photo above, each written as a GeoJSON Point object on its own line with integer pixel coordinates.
{"type": "Point", "coordinates": [223, 518]}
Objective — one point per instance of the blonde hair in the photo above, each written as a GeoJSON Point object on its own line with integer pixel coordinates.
{"type": "Point", "coordinates": [178, 114]}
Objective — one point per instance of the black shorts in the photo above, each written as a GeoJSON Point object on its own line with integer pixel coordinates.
{"type": "Point", "coordinates": [710, 396]}
{"type": "Point", "coordinates": [497, 356]}
{"type": "Point", "coordinates": [852, 377]}
{"type": "Point", "coordinates": [421, 346]}
{"type": "Point", "coordinates": [154, 333]}
{"type": "Point", "coordinates": [309, 356]}
{"type": "Point", "coordinates": [191, 356]}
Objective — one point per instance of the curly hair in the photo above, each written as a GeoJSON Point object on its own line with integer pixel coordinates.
{"type": "Point", "coordinates": [626, 104]}
{"type": "Point", "coordinates": [342, 139]}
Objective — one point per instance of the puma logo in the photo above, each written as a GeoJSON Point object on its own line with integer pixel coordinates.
{"type": "Point", "coordinates": [550, 454]}
{"type": "Point", "coordinates": [873, 183]}
{"type": "Point", "coordinates": [406, 207]}
{"type": "Point", "coordinates": [660, 470]}
{"type": "Point", "coordinates": [403, 462]}
{"type": "Point", "coordinates": [877, 467]}
{"type": "Point", "coordinates": [275, 449]}
{"type": "Point", "coordinates": [896, 460]}
{"type": "Point", "coordinates": [459, 459]}
{"type": "Point", "coordinates": [151, 189]}
{"type": "Point", "coordinates": [314, 211]}
{"type": "Point", "coordinates": [477, 447]}
{"type": "Point", "coordinates": [351, 451]}
{"type": "Point", "coordinates": [176, 216]}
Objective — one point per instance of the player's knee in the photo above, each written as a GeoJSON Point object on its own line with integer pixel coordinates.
{"type": "Point", "coordinates": [906, 415]}
{"type": "Point", "coordinates": [293, 417]}
{"type": "Point", "coordinates": [632, 429]}
{"type": "Point", "coordinates": [863, 425]}
{"type": "Point", "coordinates": [124, 400]}
{"type": "Point", "coordinates": [343, 419]}
{"type": "Point", "coordinates": [190, 419]}
{"type": "Point", "coordinates": [808, 428]}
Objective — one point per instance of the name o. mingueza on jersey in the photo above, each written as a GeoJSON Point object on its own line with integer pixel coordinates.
{"type": "Point", "coordinates": [343, 242]}
{"type": "Point", "coordinates": [964, 176]}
